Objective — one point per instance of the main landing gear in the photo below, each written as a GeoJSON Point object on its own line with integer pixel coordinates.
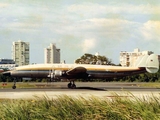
{"type": "Point", "coordinates": [71, 85]}
{"type": "Point", "coordinates": [14, 84]}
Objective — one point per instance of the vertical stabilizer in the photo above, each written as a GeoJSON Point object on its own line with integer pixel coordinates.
{"type": "Point", "coordinates": [150, 62]}
{"type": "Point", "coordinates": [141, 61]}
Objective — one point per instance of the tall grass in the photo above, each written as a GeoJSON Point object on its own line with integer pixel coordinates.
{"type": "Point", "coordinates": [71, 108]}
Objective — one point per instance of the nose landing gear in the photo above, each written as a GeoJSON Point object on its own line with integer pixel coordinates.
{"type": "Point", "coordinates": [14, 84]}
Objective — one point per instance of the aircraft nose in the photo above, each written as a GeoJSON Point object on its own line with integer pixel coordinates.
{"type": "Point", "coordinates": [6, 73]}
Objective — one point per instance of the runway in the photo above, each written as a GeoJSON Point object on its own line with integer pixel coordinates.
{"type": "Point", "coordinates": [84, 89]}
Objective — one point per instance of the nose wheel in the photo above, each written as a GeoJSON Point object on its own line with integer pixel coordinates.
{"type": "Point", "coordinates": [71, 85]}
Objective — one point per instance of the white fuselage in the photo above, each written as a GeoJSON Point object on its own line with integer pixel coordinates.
{"type": "Point", "coordinates": [77, 70]}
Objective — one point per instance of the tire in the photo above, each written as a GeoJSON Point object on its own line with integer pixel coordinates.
{"type": "Point", "coordinates": [69, 85]}
{"type": "Point", "coordinates": [14, 87]}
{"type": "Point", "coordinates": [73, 86]}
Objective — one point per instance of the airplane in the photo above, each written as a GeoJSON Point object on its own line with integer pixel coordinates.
{"type": "Point", "coordinates": [146, 63]}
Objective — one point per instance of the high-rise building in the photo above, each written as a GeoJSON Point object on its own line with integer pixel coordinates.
{"type": "Point", "coordinates": [20, 53]}
{"type": "Point", "coordinates": [129, 58]}
{"type": "Point", "coordinates": [52, 54]}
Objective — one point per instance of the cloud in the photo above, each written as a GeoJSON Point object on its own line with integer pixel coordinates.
{"type": "Point", "coordinates": [95, 9]}
{"type": "Point", "coordinates": [108, 23]}
{"type": "Point", "coordinates": [105, 29]}
{"type": "Point", "coordinates": [150, 30]}
{"type": "Point", "coordinates": [88, 44]}
{"type": "Point", "coordinates": [99, 26]}
{"type": "Point", "coordinates": [3, 5]}
{"type": "Point", "coordinates": [96, 25]}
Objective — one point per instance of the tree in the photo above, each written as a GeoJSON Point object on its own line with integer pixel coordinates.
{"type": "Point", "coordinates": [93, 59]}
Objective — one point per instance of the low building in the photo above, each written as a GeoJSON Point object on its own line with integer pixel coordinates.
{"type": "Point", "coordinates": [7, 63]}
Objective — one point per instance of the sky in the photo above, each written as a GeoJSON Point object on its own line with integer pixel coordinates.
{"type": "Point", "coordinates": [80, 26]}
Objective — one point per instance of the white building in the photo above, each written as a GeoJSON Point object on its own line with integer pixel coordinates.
{"type": "Point", "coordinates": [52, 54]}
{"type": "Point", "coordinates": [129, 58]}
{"type": "Point", "coordinates": [20, 53]}
{"type": "Point", "coordinates": [7, 63]}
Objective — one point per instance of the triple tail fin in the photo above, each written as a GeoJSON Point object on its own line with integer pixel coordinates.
{"type": "Point", "coordinates": [150, 62]}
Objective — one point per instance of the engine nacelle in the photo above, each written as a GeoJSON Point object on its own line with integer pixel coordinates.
{"type": "Point", "coordinates": [57, 73]}
{"type": "Point", "coordinates": [51, 75]}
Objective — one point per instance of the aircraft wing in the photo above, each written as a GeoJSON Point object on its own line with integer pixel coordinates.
{"type": "Point", "coordinates": [76, 70]}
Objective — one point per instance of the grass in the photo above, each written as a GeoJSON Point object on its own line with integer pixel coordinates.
{"type": "Point", "coordinates": [19, 85]}
{"type": "Point", "coordinates": [69, 108]}
{"type": "Point", "coordinates": [150, 84]}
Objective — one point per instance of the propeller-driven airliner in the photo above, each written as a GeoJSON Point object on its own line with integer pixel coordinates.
{"type": "Point", "coordinates": [146, 63]}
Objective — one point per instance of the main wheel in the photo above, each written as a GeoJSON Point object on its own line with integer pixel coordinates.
{"type": "Point", "coordinates": [14, 87]}
{"type": "Point", "coordinates": [70, 85]}
{"type": "Point", "coordinates": [73, 86]}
